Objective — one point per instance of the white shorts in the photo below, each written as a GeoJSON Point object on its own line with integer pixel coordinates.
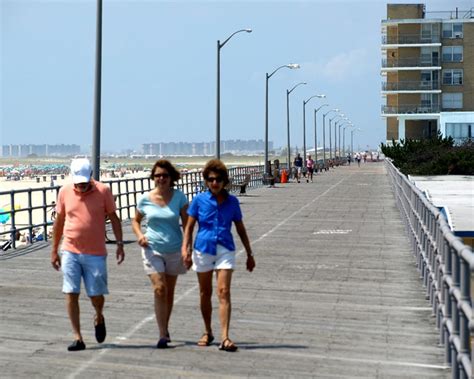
{"type": "Point", "coordinates": [156, 262]}
{"type": "Point", "coordinates": [223, 260]}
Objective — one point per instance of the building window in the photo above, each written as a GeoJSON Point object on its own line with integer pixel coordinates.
{"type": "Point", "coordinates": [452, 100]}
{"type": "Point", "coordinates": [452, 30]}
{"type": "Point", "coordinates": [426, 100]}
{"type": "Point", "coordinates": [461, 132]}
{"type": "Point", "coordinates": [452, 77]}
{"type": "Point", "coordinates": [452, 53]}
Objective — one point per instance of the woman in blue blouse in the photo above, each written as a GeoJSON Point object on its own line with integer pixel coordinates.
{"type": "Point", "coordinates": [162, 207]}
{"type": "Point", "coordinates": [214, 248]}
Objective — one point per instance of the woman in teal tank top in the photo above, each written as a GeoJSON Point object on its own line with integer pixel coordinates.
{"type": "Point", "coordinates": [162, 207]}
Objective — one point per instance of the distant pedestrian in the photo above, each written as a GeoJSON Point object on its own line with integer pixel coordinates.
{"type": "Point", "coordinates": [349, 159]}
{"type": "Point", "coordinates": [358, 159]}
{"type": "Point", "coordinates": [298, 164]}
{"type": "Point", "coordinates": [310, 168]}
{"type": "Point", "coordinates": [214, 250]}
{"type": "Point", "coordinates": [80, 218]}
{"type": "Point", "coordinates": [162, 207]}
{"type": "Point", "coordinates": [53, 210]}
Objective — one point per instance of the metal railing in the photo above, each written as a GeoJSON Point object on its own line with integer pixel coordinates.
{"type": "Point", "coordinates": [446, 266]}
{"type": "Point", "coordinates": [30, 210]}
{"type": "Point", "coordinates": [410, 62]}
{"type": "Point", "coordinates": [410, 109]}
{"type": "Point", "coordinates": [453, 15]}
{"type": "Point", "coordinates": [410, 39]}
{"type": "Point", "coordinates": [411, 85]}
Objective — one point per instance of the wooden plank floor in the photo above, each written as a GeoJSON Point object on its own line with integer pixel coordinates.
{"type": "Point", "coordinates": [335, 295]}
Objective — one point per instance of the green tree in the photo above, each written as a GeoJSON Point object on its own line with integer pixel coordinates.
{"type": "Point", "coordinates": [434, 156]}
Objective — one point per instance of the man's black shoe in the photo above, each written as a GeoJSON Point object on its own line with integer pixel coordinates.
{"type": "Point", "coordinates": [100, 331]}
{"type": "Point", "coordinates": [76, 346]}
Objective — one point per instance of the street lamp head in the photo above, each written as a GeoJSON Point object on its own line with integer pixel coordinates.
{"type": "Point", "coordinates": [248, 30]}
{"type": "Point", "coordinates": [293, 65]}
{"type": "Point", "coordinates": [322, 96]}
{"type": "Point", "coordinates": [324, 105]}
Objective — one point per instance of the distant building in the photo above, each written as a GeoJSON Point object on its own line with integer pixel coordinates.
{"type": "Point", "coordinates": [428, 66]}
{"type": "Point", "coordinates": [40, 150]}
{"type": "Point", "coordinates": [204, 148]}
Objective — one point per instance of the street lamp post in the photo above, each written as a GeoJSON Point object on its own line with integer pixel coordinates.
{"type": "Point", "coordinates": [288, 160]}
{"type": "Point", "coordinates": [95, 153]}
{"type": "Point", "coordinates": [335, 135]}
{"type": "Point", "coordinates": [324, 133]}
{"type": "Point", "coordinates": [337, 141]}
{"type": "Point", "coordinates": [343, 122]}
{"type": "Point", "coordinates": [218, 101]}
{"type": "Point", "coordinates": [349, 125]}
{"type": "Point", "coordinates": [352, 140]}
{"type": "Point", "coordinates": [316, 133]}
{"type": "Point", "coordinates": [267, 76]}
{"type": "Point", "coordinates": [304, 124]}
{"type": "Point", "coordinates": [330, 142]}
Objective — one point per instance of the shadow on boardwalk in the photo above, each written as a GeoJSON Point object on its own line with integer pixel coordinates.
{"type": "Point", "coordinates": [335, 294]}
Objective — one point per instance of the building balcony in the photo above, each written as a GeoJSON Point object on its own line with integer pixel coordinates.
{"type": "Point", "coordinates": [393, 64]}
{"type": "Point", "coordinates": [411, 39]}
{"type": "Point", "coordinates": [411, 86]}
{"type": "Point", "coordinates": [410, 109]}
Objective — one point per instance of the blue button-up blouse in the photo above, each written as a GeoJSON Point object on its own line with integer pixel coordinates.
{"type": "Point", "coordinates": [215, 221]}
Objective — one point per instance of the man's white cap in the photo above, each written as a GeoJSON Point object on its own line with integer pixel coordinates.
{"type": "Point", "coordinates": [81, 170]}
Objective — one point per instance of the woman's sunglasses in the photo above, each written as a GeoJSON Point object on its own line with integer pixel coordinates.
{"type": "Point", "coordinates": [217, 179]}
{"type": "Point", "coordinates": [164, 176]}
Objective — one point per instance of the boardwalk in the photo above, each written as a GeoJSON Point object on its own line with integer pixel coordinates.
{"type": "Point", "coordinates": [335, 295]}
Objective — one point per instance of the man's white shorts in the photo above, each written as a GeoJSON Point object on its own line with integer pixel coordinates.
{"type": "Point", "coordinates": [223, 260]}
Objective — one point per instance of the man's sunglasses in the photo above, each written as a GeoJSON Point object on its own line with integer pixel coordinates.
{"type": "Point", "coordinates": [217, 179]}
{"type": "Point", "coordinates": [164, 176]}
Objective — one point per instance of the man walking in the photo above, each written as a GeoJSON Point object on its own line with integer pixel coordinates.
{"type": "Point", "coordinates": [81, 211]}
{"type": "Point", "coordinates": [298, 164]}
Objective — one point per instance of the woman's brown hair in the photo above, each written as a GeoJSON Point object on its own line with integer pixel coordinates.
{"type": "Point", "coordinates": [166, 164]}
{"type": "Point", "coordinates": [217, 166]}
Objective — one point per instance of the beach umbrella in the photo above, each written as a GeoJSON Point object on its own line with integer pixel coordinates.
{"type": "Point", "coordinates": [4, 217]}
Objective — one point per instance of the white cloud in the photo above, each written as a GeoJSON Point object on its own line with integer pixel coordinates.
{"type": "Point", "coordinates": [340, 67]}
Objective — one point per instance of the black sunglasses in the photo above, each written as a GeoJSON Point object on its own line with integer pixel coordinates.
{"type": "Point", "coordinates": [217, 179]}
{"type": "Point", "coordinates": [164, 176]}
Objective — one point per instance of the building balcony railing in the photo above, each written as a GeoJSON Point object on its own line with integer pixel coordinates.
{"type": "Point", "coordinates": [410, 109]}
{"type": "Point", "coordinates": [410, 39]}
{"type": "Point", "coordinates": [410, 62]}
{"type": "Point", "coordinates": [406, 85]}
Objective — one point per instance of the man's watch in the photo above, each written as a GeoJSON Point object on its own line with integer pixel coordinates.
{"type": "Point", "coordinates": [119, 243]}
{"type": "Point", "coordinates": [249, 254]}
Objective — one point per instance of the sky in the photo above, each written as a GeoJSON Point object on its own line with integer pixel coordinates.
{"type": "Point", "coordinates": [159, 69]}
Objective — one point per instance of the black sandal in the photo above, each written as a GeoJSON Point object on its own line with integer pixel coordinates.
{"type": "Point", "coordinates": [229, 346]}
{"type": "Point", "coordinates": [206, 339]}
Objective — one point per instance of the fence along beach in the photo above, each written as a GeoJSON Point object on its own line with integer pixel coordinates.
{"type": "Point", "coordinates": [44, 191]}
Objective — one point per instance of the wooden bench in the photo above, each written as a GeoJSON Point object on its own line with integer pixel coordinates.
{"type": "Point", "coordinates": [240, 185]}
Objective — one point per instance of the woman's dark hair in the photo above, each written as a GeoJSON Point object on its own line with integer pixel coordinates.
{"type": "Point", "coordinates": [217, 166]}
{"type": "Point", "coordinates": [166, 164]}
